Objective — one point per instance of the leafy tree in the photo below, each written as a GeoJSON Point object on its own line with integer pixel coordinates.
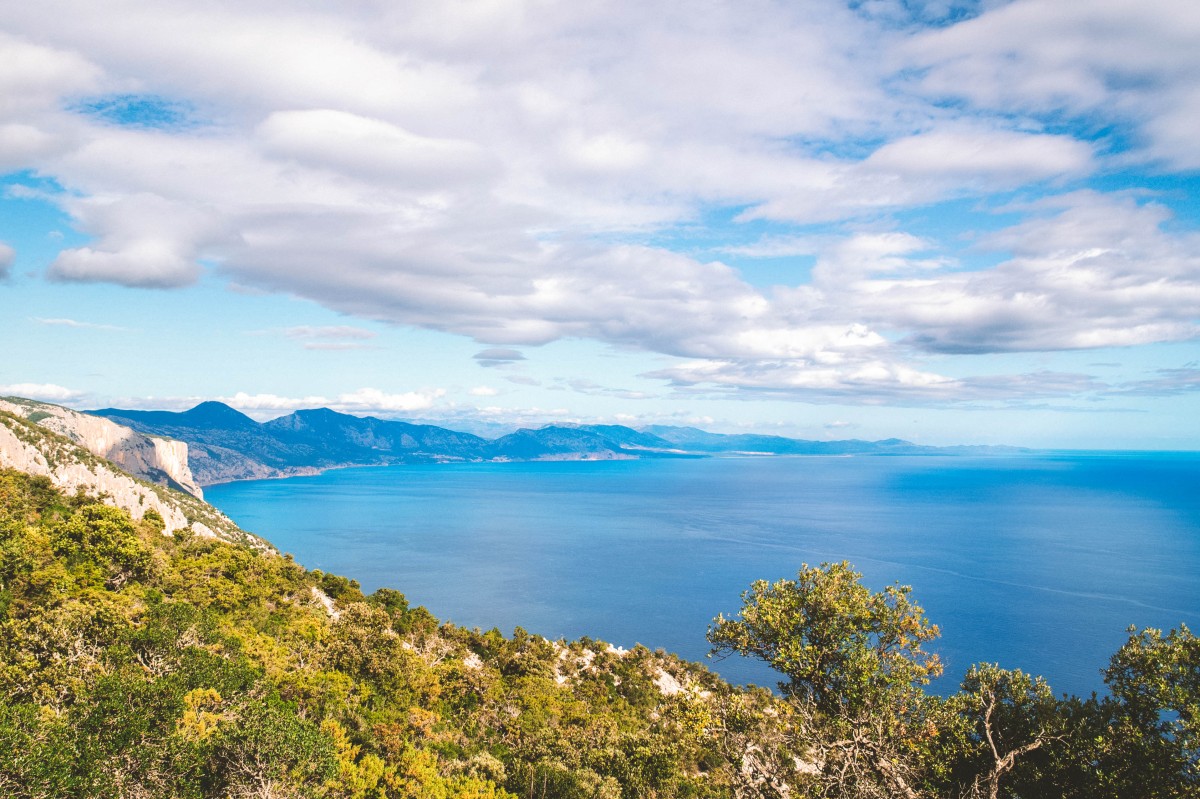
{"type": "Point", "coordinates": [1005, 718]}
{"type": "Point", "coordinates": [841, 646]}
{"type": "Point", "coordinates": [855, 669]}
{"type": "Point", "coordinates": [1152, 744]}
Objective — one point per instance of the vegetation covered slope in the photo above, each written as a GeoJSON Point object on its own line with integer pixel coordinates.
{"type": "Point", "coordinates": [32, 447]}
{"type": "Point", "coordinates": [134, 664]}
{"type": "Point", "coordinates": [155, 459]}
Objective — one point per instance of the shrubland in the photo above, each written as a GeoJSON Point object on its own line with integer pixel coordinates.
{"type": "Point", "coordinates": [134, 664]}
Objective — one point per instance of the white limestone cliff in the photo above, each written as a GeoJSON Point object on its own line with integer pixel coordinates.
{"type": "Point", "coordinates": [20, 451]}
{"type": "Point", "coordinates": [36, 449]}
{"type": "Point", "coordinates": [159, 460]}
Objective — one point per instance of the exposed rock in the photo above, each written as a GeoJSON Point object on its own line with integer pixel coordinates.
{"type": "Point", "coordinates": [667, 684]}
{"type": "Point", "coordinates": [32, 448]}
{"type": "Point", "coordinates": [159, 460]}
{"type": "Point", "coordinates": [326, 602]}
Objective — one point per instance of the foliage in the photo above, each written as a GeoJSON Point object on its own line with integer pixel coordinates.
{"type": "Point", "coordinates": [134, 664]}
{"type": "Point", "coordinates": [859, 723]}
{"type": "Point", "coordinates": [842, 647]}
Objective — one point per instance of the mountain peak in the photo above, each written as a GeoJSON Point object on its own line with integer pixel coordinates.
{"type": "Point", "coordinates": [217, 414]}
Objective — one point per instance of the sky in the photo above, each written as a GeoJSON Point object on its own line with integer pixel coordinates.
{"type": "Point", "coordinates": [946, 221]}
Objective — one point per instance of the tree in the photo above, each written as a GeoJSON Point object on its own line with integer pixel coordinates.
{"type": "Point", "coordinates": [1009, 715]}
{"type": "Point", "coordinates": [855, 669]}
{"type": "Point", "coordinates": [841, 646]}
{"type": "Point", "coordinates": [1152, 746]}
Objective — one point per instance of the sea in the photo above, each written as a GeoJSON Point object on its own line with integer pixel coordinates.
{"type": "Point", "coordinates": [1039, 563]}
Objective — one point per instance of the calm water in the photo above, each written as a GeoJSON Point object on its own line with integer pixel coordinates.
{"type": "Point", "coordinates": [1034, 563]}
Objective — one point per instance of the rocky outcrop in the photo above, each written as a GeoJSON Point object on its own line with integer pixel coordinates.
{"type": "Point", "coordinates": [153, 458]}
{"type": "Point", "coordinates": [29, 447]}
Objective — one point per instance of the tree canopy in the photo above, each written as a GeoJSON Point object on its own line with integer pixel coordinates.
{"type": "Point", "coordinates": [134, 664]}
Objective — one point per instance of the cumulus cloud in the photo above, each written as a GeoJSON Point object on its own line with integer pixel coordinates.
{"type": "Point", "coordinates": [361, 402]}
{"type": "Point", "coordinates": [1135, 64]}
{"type": "Point", "coordinates": [370, 148]}
{"type": "Point", "coordinates": [508, 172]}
{"type": "Point", "coordinates": [866, 380]}
{"type": "Point", "coordinates": [145, 240]}
{"type": "Point", "coordinates": [47, 392]}
{"type": "Point", "coordinates": [995, 158]}
{"type": "Point", "coordinates": [1095, 271]}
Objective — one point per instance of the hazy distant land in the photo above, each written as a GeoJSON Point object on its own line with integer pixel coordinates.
{"type": "Point", "coordinates": [226, 445]}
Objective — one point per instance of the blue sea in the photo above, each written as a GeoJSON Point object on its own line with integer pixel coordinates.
{"type": "Point", "coordinates": [1038, 563]}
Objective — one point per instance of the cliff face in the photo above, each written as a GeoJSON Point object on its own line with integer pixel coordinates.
{"type": "Point", "coordinates": [158, 460]}
{"type": "Point", "coordinates": [35, 449]}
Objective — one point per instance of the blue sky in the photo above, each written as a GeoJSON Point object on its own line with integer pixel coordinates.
{"type": "Point", "coordinates": [952, 222]}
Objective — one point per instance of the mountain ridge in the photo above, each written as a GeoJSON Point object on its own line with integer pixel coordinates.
{"type": "Point", "coordinates": [225, 445]}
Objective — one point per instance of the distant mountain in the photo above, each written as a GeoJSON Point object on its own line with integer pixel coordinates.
{"type": "Point", "coordinates": [629, 438]}
{"type": "Point", "coordinates": [695, 440]}
{"type": "Point", "coordinates": [226, 445]}
{"type": "Point", "coordinates": [579, 442]}
{"type": "Point", "coordinates": [342, 436]}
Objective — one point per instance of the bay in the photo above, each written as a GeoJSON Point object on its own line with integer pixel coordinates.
{"type": "Point", "coordinates": [1038, 563]}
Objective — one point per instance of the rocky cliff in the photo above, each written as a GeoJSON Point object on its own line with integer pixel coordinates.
{"type": "Point", "coordinates": [153, 458]}
{"type": "Point", "coordinates": [37, 450]}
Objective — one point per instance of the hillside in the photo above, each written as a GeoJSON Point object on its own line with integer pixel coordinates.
{"type": "Point", "coordinates": [32, 447]}
{"type": "Point", "coordinates": [225, 445]}
{"type": "Point", "coordinates": [134, 664]}
{"type": "Point", "coordinates": [153, 458]}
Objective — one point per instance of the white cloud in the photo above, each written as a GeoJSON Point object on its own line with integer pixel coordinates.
{"type": "Point", "coordinates": [305, 332]}
{"type": "Point", "coordinates": [1132, 63]}
{"type": "Point", "coordinates": [47, 392]}
{"type": "Point", "coordinates": [61, 322]}
{"type": "Point", "coordinates": [864, 381]}
{"type": "Point", "coordinates": [145, 240]}
{"type": "Point", "coordinates": [271, 402]}
{"type": "Point", "coordinates": [330, 337]}
{"type": "Point", "coordinates": [498, 356]}
{"type": "Point", "coordinates": [483, 391]}
{"type": "Point", "coordinates": [1095, 271]}
{"type": "Point", "coordinates": [361, 402]}
{"type": "Point", "coordinates": [985, 158]}
{"type": "Point", "coordinates": [33, 77]}
{"type": "Point", "coordinates": [370, 148]}
{"type": "Point", "coordinates": [526, 172]}
{"type": "Point", "coordinates": [373, 400]}
{"type": "Point", "coordinates": [1166, 382]}
{"type": "Point", "coordinates": [22, 144]}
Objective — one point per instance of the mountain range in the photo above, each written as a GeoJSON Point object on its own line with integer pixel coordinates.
{"type": "Point", "coordinates": [225, 444]}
